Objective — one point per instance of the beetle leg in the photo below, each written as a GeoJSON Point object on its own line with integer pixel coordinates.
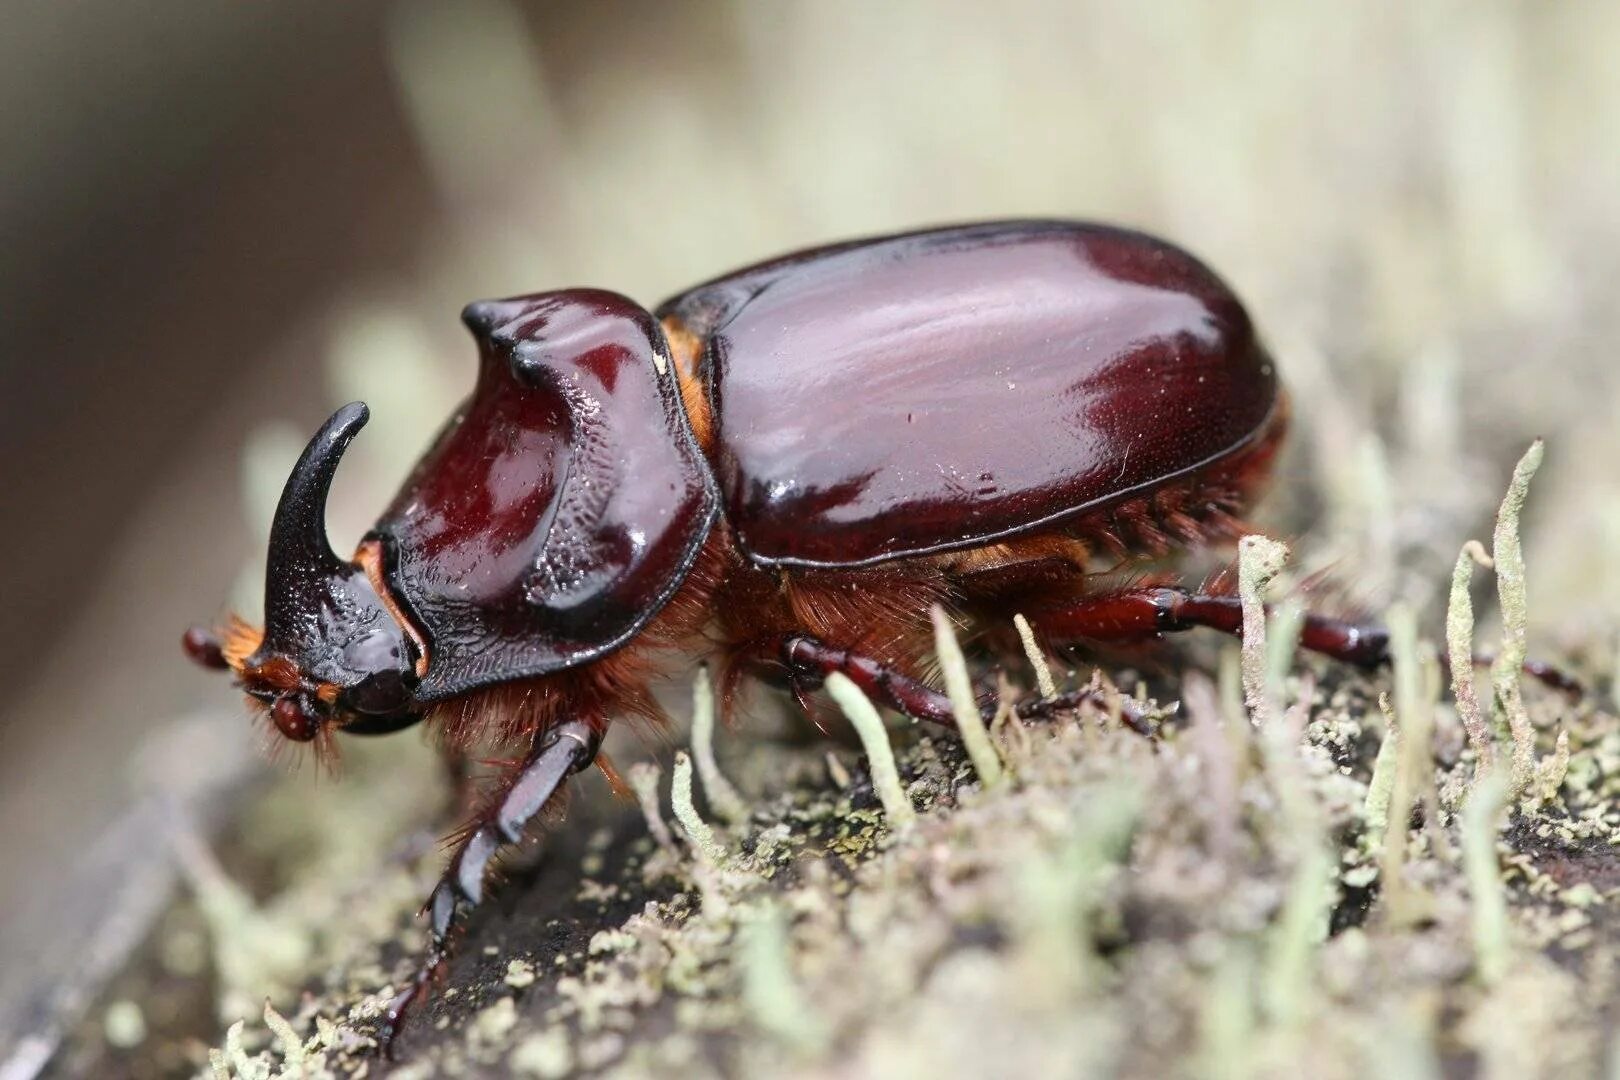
{"type": "Point", "coordinates": [810, 661]}
{"type": "Point", "coordinates": [1539, 670]}
{"type": "Point", "coordinates": [1130, 713]}
{"type": "Point", "coordinates": [1146, 612]}
{"type": "Point", "coordinates": [558, 753]}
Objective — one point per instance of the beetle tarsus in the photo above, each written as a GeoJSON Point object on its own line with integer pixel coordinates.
{"type": "Point", "coordinates": [1130, 713]}
{"type": "Point", "coordinates": [558, 753]}
{"type": "Point", "coordinates": [394, 1016]}
{"type": "Point", "coordinates": [1546, 674]}
{"type": "Point", "coordinates": [1550, 675]}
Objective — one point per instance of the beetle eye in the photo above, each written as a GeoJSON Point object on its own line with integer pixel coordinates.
{"type": "Point", "coordinates": [379, 694]}
{"type": "Point", "coordinates": [292, 721]}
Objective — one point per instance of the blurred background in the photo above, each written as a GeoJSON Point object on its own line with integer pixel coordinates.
{"type": "Point", "coordinates": [221, 220]}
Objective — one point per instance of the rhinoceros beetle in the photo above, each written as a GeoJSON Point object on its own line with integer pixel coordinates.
{"type": "Point", "coordinates": [783, 470]}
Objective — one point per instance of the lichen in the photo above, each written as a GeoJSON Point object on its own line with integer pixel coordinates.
{"type": "Point", "coordinates": [1109, 878]}
{"type": "Point", "coordinates": [959, 687]}
{"type": "Point", "coordinates": [1507, 554]}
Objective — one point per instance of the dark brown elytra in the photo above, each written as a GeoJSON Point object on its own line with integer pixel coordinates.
{"type": "Point", "coordinates": [782, 472]}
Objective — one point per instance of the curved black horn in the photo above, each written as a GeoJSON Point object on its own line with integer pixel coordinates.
{"type": "Point", "coordinates": [300, 559]}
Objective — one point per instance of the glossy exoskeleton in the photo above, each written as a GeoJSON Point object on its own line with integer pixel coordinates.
{"type": "Point", "coordinates": [783, 470]}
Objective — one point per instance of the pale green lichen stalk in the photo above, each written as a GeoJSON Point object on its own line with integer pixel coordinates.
{"type": "Point", "coordinates": [1059, 893]}
{"type": "Point", "coordinates": [286, 1039]}
{"type": "Point", "coordinates": [1480, 823]}
{"type": "Point", "coordinates": [1510, 587]}
{"type": "Point", "coordinates": [1381, 786]}
{"type": "Point", "coordinates": [863, 716]}
{"type": "Point", "coordinates": [722, 796]}
{"type": "Point", "coordinates": [1413, 764]}
{"type": "Point", "coordinates": [1460, 653]}
{"type": "Point", "coordinates": [1269, 644]}
{"type": "Point", "coordinates": [770, 993]}
{"type": "Point", "coordinates": [697, 830]}
{"type": "Point", "coordinates": [644, 777]}
{"type": "Point", "coordinates": [959, 687]}
{"type": "Point", "coordinates": [1260, 559]}
{"type": "Point", "coordinates": [1037, 660]}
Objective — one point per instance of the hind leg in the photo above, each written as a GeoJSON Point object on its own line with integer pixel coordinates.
{"type": "Point", "coordinates": [1144, 613]}
{"type": "Point", "coordinates": [1147, 612]}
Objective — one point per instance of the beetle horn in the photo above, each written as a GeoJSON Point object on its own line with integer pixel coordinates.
{"type": "Point", "coordinates": [301, 561]}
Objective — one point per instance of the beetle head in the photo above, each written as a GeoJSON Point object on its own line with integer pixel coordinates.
{"type": "Point", "coordinates": [332, 654]}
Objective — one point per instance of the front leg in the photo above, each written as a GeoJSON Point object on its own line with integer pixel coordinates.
{"type": "Point", "coordinates": [809, 662]}
{"type": "Point", "coordinates": [557, 753]}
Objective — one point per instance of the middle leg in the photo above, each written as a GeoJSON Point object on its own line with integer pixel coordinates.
{"type": "Point", "coordinates": [809, 661]}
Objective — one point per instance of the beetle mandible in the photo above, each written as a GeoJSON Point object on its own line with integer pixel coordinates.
{"type": "Point", "coordinates": [783, 470]}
